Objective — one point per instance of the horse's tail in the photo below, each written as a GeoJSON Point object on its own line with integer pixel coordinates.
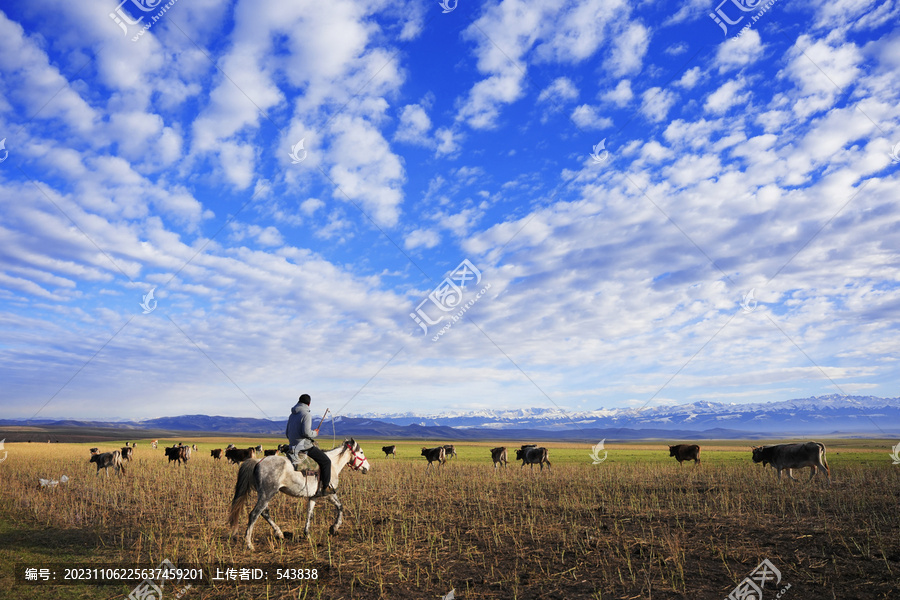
{"type": "Point", "coordinates": [241, 491]}
{"type": "Point", "coordinates": [117, 462]}
{"type": "Point", "coordinates": [822, 457]}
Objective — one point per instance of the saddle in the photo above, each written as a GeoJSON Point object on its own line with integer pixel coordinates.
{"type": "Point", "coordinates": [302, 458]}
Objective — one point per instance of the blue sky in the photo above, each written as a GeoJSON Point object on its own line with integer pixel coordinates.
{"type": "Point", "coordinates": [734, 238]}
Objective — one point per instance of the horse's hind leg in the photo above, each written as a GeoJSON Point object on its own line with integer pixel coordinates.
{"type": "Point", "coordinates": [340, 514]}
{"type": "Point", "coordinates": [262, 505]}
{"type": "Point", "coordinates": [278, 533]}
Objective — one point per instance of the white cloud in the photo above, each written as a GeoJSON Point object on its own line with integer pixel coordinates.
{"type": "Point", "coordinates": [29, 80]}
{"type": "Point", "coordinates": [238, 161]}
{"type": "Point", "coordinates": [511, 34]}
{"type": "Point", "coordinates": [726, 96]}
{"type": "Point", "coordinates": [448, 141]}
{"type": "Point", "coordinates": [310, 206]}
{"type": "Point", "coordinates": [690, 78]}
{"type": "Point", "coordinates": [739, 51]}
{"type": "Point", "coordinates": [820, 71]}
{"type": "Point", "coordinates": [482, 108]}
{"type": "Point", "coordinates": [421, 238]}
{"type": "Point", "coordinates": [414, 125]}
{"type": "Point", "coordinates": [586, 117]}
{"type": "Point", "coordinates": [560, 91]}
{"type": "Point", "coordinates": [629, 50]}
{"type": "Point", "coordinates": [365, 170]}
{"type": "Point", "coordinates": [621, 95]}
{"type": "Point", "coordinates": [656, 102]}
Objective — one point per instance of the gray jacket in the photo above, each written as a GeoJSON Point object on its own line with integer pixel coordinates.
{"type": "Point", "coordinates": [299, 430]}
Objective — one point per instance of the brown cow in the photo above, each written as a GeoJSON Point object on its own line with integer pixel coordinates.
{"type": "Point", "coordinates": [239, 455]}
{"type": "Point", "coordinates": [179, 454]}
{"type": "Point", "coordinates": [106, 460]}
{"type": "Point", "coordinates": [438, 455]}
{"type": "Point", "coordinates": [683, 452]}
{"type": "Point", "coordinates": [498, 455]}
{"type": "Point", "coordinates": [532, 455]}
{"type": "Point", "coordinates": [794, 456]}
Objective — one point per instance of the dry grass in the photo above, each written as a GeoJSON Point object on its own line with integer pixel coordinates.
{"type": "Point", "coordinates": [636, 526]}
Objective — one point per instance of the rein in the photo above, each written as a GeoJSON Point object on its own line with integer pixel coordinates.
{"type": "Point", "coordinates": [356, 461]}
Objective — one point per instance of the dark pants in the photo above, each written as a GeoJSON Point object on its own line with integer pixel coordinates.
{"type": "Point", "coordinates": [324, 465]}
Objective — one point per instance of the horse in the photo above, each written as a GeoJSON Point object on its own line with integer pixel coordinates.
{"type": "Point", "coordinates": [275, 474]}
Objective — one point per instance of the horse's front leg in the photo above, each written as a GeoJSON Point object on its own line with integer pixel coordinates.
{"type": "Point", "coordinates": [309, 514]}
{"type": "Point", "coordinates": [340, 514]}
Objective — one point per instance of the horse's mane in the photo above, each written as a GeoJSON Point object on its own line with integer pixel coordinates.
{"type": "Point", "coordinates": [345, 445]}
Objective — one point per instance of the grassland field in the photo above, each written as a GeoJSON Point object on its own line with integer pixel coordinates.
{"type": "Point", "coordinates": [637, 525]}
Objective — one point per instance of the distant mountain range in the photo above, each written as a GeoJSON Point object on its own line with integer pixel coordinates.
{"type": "Point", "coordinates": [832, 415]}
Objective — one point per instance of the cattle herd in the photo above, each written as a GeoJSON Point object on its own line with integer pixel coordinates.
{"type": "Point", "coordinates": [782, 457]}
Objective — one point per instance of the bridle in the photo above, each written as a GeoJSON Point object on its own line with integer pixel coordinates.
{"type": "Point", "coordinates": [356, 460]}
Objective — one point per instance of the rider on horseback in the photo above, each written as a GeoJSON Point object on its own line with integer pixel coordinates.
{"type": "Point", "coordinates": [300, 436]}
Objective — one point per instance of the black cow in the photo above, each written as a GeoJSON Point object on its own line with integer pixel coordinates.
{"type": "Point", "coordinates": [389, 451]}
{"type": "Point", "coordinates": [239, 455]}
{"type": "Point", "coordinates": [284, 448]}
{"type": "Point", "coordinates": [178, 454]}
{"type": "Point", "coordinates": [532, 455]}
{"type": "Point", "coordinates": [216, 454]}
{"type": "Point", "coordinates": [449, 450]}
{"type": "Point", "coordinates": [683, 452]}
{"type": "Point", "coordinates": [498, 455]}
{"type": "Point", "coordinates": [127, 452]}
{"type": "Point", "coordinates": [794, 456]}
{"type": "Point", "coordinates": [438, 455]}
{"type": "Point", "coordinates": [106, 460]}
{"type": "Point", "coordinates": [270, 452]}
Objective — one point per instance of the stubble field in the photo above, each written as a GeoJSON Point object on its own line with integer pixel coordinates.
{"type": "Point", "coordinates": [635, 526]}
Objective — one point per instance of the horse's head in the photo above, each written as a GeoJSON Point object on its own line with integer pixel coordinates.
{"type": "Point", "coordinates": [358, 460]}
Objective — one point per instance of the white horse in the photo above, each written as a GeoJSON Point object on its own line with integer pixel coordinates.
{"type": "Point", "coordinates": [275, 474]}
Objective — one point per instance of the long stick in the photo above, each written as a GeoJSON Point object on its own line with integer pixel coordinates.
{"type": "Point", "coordinates": [323, 419]}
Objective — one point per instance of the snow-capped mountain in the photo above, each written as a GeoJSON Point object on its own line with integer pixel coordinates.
{"type": "Point", "coordinates": [821, 414]}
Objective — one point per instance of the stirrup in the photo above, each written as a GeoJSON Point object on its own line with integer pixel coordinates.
{"type": "Point", "coordinates": [328, 491]}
